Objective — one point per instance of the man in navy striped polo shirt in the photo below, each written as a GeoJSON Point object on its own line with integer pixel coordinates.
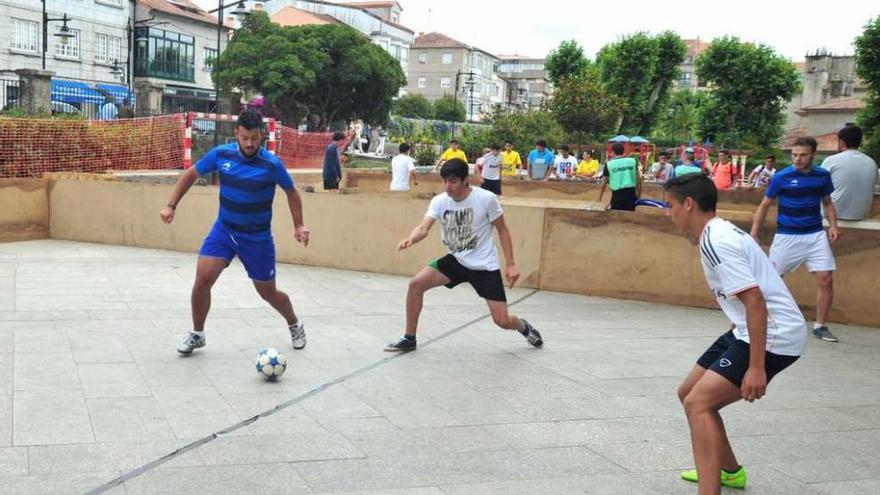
{"type": "Point", "coordinates": [800, 237]}
{"type": "Point", "coordinates": [248, 176]}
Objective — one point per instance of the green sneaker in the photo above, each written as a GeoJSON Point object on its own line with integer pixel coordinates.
{"type": "Point", "coordinates": [732, 480]}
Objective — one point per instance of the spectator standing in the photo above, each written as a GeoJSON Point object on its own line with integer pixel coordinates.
{"type": "Point", "coordinates": [489, 170]}
{"type": "Point", "coordinates": [333, 163]}
{"type": "Point", "coordinates": [662, 170]}
{"type": "Point", "coordinates": [539, 160]}
{"type": "Point", "coordinates": [510, 160]}
{"type": "Point", "coordinates": [763, 173]}
{"type": "Point", "coordinates": [565, 164]}
{"type": "Point", "coordinates": [854, 175]}
{"type": "Point", "coordinates": [588, 167]}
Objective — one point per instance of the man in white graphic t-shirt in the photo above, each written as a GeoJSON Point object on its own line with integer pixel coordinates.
{"type": "Point", "coordinates": [768, 335]}
{"type": "Point", "coordinates": [467, 216]}
{"type": "Point", "coordinates": [565, 164]}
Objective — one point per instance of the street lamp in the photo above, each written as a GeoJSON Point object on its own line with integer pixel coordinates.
{"type": "Point", "coordinates": [240, 11]}
{"type": "Point", "coordinates": [64, 32]}
{"type": "Point", "coordinates": [469, 83]}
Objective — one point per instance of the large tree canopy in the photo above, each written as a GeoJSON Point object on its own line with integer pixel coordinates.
{"type": "Point", "coordinates": [324, 73]}
{"type": "Point", "coordinates": [566, 61]}
{"type": "Point", "coordinates": [584, 108]}
{"type": "Point", "coordinates": [749, 88]}
{"type": "Point", "coordinates": [640, 69]}
{"type": "Point", "coordinates": [868, 68]}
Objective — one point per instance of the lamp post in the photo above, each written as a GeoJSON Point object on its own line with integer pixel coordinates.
{"type": "Point", "coordinates": [469, 83]}
{"type": "Point", "coordinates": [63, 32]}
{"type": "Point", "coordinates": [240, 11]}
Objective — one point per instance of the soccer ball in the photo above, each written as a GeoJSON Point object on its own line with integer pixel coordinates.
{"type": "Point", "coordinates": [271, 364]}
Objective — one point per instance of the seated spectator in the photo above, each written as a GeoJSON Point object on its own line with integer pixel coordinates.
{"type": "Point", "coordinates": [564, 165]}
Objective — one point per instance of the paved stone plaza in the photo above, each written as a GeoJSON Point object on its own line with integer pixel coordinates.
{"type": "Point", "coordinates": [91, 389]}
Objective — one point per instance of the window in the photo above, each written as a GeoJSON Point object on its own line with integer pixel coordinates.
{"type": "Point", "coordinates": [209, 55]}
{"type": "Point", "coordinates": [423, 82]}
{"type": "Point", "coordinates": [115, 3]}
{"type": "Point", "coordinates": [404, 54]}
{"type": "Point", "coordinates": [69, 49]}
{"type": "Point", "coordinates": [26, 34]}
{"type": "Point", "coordinates": [423, 58]}
{"type": "Point", "coordinates": [445, 82]}
{"type": "Point", "coordinates": [447, 59]}
{"type": "Point", "coordinates": [166, 55]}
{"type": "Point", "coordinates": [109, 48]}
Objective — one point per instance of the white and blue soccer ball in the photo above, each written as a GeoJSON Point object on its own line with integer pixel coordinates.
{"type": "Point", "coordinates": [271, 364]}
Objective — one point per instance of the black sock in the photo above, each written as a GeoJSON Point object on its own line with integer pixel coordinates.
{"type": "Point", "coordinates": [525, 329]}
{"type": "Point", "coordinates": [732, 472]}
{"type": "Point", "coordinates": [411, 338]}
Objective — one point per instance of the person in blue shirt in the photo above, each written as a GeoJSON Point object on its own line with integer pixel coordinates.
{"type": "Point", "coordinates": [248, 176]}
{"type": "Point", "coordinates": [802, 191]}
{"type": "Point", "coordinates": [539, 161]}
{"type": "Point", "coordinates": [333, 162]}
{"type": "Point", "coordinates": [108, 110]}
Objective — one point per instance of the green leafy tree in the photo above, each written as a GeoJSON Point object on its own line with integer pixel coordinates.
{"type": "Point", "coordinates": [640, 69]}
{"type": "Point", "coordinates": [868, 68]}
{"type": "Point", "coordinates": [584, 108]}
{"type": "Point", "coordinates": [679, 118]}
{"type": "Point", "coordinates": [749, 87]}
{"type": "Point", "coordinates": [325, 73]}
{"type": "Point", "coordinates": [449, 109]}
{"type": "Point", "coordinates": [525, 128]}
{"type": "Point", "coordinates": [566, 61]}
{"type": "Point", "coordinates": [414, 106]}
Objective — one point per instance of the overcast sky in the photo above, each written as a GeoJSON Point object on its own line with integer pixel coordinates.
{"type": "Point", "coordinates": [533, 28]}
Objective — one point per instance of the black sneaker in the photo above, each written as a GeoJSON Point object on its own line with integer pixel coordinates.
{"type": "Point", "coordinates": [402, 345]}
{"type": "Point", "coordinates": [532, 335]}
{"type": "Point", "coordinates": [824, 334]}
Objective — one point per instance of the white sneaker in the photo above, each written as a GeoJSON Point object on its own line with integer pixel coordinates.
{"type": "Point", "coordinates": [190, 343]}
{"type": "Point", "coordinates": [298, 335]}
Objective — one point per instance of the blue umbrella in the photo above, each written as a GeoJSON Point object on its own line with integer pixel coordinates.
{"type": "Point", "coordinates": [638, 139]}
{"type": "Point", "coordinates": [619, 139]}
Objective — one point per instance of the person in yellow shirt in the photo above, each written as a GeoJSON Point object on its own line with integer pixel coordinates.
{"type": "Point", "coordinates": [588, 167]}
{"type": "Point", "coordinates": [510, 160]}
{"type": "Point", "coordinates": [452, 152]}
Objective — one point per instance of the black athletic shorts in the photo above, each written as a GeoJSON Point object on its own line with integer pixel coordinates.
{"type": "Point", "coordinates": [488, 284]}
{"type": "Point", "coordinates": [624, 199]}
{"type": "Point", "coordinates": [331, 184]}
{"type": "Point", "coordinates": [729, 357]}
{"type": "Point", "coordinates": [492, 185]}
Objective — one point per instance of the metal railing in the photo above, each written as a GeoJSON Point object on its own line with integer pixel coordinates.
{"type": "Point", "coordinates": [9, 95]}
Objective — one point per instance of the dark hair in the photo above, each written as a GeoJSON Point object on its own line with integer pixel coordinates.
{"type": "Point", "coordinates": [541, 143]}
{"type": "Point", "coordinates": [851, 136]}
{"type": "Point", "coordinates": [725, 151]}
{"type": "Point", "coordinates": [806, 141]}
{"type": "Point", "coordinates": [663, 153]}
{"type": "Point", "coordinates": [338, 136]}
{"type": "Point", "coordinates": [770, 157]}
{"type": "Point", "coordinates": [454, 141]}
{"type": "Point", "coordinates": [695, 186]}
{"type": "Point", "coordinates": [250, 119]}
{"type": "Point", "coordinates": [404, 147]}
{"type": "Point", "coordinates": [454, 168]}
{"type": "Point", "coordinates": [494, 146]}
{"type": "Point", "coordinates": [589, 152]}
{"type": "Point", "coordinates": [617, 148]}
{"type": "Point", "coordinates": [508, 142]}
{"type": "Point", "coordinates": [565, 147]}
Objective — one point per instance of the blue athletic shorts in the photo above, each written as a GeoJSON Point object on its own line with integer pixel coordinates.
{"type": "Point", "coordinates": [258, 257]}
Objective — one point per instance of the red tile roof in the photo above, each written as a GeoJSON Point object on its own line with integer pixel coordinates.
{"type": "Point", "coordinates": [183, 8]}
{"type": "Point", "coordinates": [367, 5]}
{"type": "Point", "coordinates": [292, 16]}
{"type": "Point", "coordinates": [437, 40]}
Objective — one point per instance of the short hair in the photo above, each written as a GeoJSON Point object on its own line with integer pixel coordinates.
{"type": "Point", "coordinates": [589, 152]}
{"type": "Point", "coordinates": [695, 186]}
{"type": "Point", "coordinates": [851, 136]}
{"type": "Point", "coordinates": [770, 157]}
{"type": "Point", "coordinates": [806, 141]}
{"type": "Point", "coordinates": [725, 151]}
{"type": "Point", "coordinates": [455, 168]}
{"type": "Point", "coordinates": [508, 142]}
{"type": "Point", "coordinates": [494, 146]}
{"type": "Point", "coordinates": [541, 143]}
{"type": "Point", "coordinates": [454, 141]}
{"type": "Point", "coordinates": [250, 119]}
{"type": "Point", "coordinates": [565, 147]}
{"type": "Point", "coordinates": [338, 136]}
{"type": "Point", "coordinates": [617, 148]}
{"type": "Point", "coordinates": [404, 147]}
{"type": "Point", "coordinates": [662, 154]}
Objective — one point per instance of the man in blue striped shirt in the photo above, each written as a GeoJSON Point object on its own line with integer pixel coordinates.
{"type": "Point", "coordinates": [802, 191]}
{"type": "Point", "coordinates": [248, 176]}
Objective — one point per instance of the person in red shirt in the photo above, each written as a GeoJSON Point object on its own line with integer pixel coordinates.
{"type": "Point", "coordinates": [724, 173]}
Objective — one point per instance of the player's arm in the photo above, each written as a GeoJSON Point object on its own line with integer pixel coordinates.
{"type": "Point", "coordinates": [184, 182]}
{"type": "Point", "coordinates": [294, 202]}
{"type": "Point", "coordinates": [831, 215]}
{"type": "Point", "coordinates": [760, 216]}
{"type": "Point", "coordinates": [754, 384]}
{"type": "Point", "coordinates": [603, 183]}
{"type": "Point", "coordinates": [418, 233]}
{"type": "Point", "coordinates": [412, 178]}
{"type": "Point", "coordinates": [507, 248]}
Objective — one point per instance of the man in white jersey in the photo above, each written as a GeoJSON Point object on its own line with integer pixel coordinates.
{"type": "Point", "coordinates": [564, 165]}
{"type": "Point", "coordinates": [769, 330]}
{"type": "Point", "coordinates": [467, 216]}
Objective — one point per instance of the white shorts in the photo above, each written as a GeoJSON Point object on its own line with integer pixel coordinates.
{"type": "Point", "coordinates": [790, 251]}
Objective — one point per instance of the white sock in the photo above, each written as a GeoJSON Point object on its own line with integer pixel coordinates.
{"type": "Point", "coordinates": [295, 325]}
{"type": "Point", "coordinates": [818, 325]}
{"type": "Point", "coordinates": [199, 334]}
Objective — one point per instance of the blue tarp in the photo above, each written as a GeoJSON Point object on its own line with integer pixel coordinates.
{"type": "Point", "coordinates": [74, 92]}
{"type": "Point", "coordinates": [120, 93]}
{"type": "Point", "coordinates": [619, 139]}
{"type": "Point", "coordinates": [638, 139]}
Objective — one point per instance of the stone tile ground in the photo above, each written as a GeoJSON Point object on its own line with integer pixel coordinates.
{"type": "Point", "coordinates": [91, 389]}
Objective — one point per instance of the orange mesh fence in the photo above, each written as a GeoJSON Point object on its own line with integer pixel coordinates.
{"type": "Point", "coordinates": [31, 147]}
{"type": "Point", "coordinates": [300, 149]}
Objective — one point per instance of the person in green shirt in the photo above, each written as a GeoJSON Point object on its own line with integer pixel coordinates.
{"type": "Point", "coordinates": [621, 174]}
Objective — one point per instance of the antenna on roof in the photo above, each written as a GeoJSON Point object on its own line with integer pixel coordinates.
{"type": "Point", "coordinates": [429, 20]}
